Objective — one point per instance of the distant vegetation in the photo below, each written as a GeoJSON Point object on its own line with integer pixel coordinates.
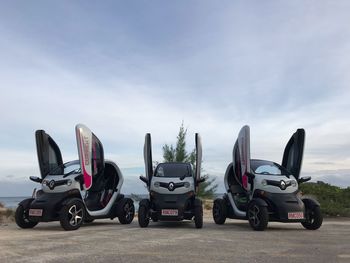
{"type": "Point", "coordinates": [6, 214]}
{"type": "Point", "coordinates": [179, 153]}
{"type": "Point", "coordinates": [335, 201]}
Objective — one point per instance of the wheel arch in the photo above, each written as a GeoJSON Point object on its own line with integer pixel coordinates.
{"type": "Point", "coordinates": [259, 201]}
{"type": "Point", "coordinates": [198, 202]}
{"type": "Point", "coordinates": [144, 202]}
{"type": "Point", "coordinates": [310, 202]}
{"type": "Point", "coordinates": [26, 202]}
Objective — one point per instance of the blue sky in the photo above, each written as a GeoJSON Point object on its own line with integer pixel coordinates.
{"type": "Point", "coordinates": [125, 68]}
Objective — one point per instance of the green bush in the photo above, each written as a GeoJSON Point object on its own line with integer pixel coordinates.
{"type": "Point", "coordinates": [335, 201]}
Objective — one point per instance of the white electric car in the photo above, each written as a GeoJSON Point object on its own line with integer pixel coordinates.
{"type": "Point", "coordinates": [172, 188]}
{"type": "Point", "coordinates": [261, 191]}
{"type": "Point", "coordinates": [78, 191]}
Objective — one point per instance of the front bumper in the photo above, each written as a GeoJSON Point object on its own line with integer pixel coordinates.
{"type": "Point", "coordinates": [51, 204]}
{"type": "Point", "coordinates": [279, 205]}
{"type": "Point", "coordinates": [184, 203]}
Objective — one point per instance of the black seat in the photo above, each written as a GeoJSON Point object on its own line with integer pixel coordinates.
{"type": "Point", "coordinates": [236, 189]}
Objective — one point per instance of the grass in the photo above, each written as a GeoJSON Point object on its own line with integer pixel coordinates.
{"type": "Point", "coordinates": [6, 214]}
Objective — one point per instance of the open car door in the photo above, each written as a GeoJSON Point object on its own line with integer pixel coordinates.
{"type": "Point", "coordinates": [49, 154]}
{"type": "Point", "coordinates": [91, 156]}
{"type": "Point", "coordinates": [147, 155]}
{"type": "Point", "coordinates": [198, 141]}
{"type": "Point", "coordinates": [293, 153]}
{"type": "Point", "coordinates": [241, 157]}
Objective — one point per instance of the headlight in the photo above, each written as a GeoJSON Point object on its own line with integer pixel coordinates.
{"type": "Point", "coordinates": [294, 183]}
{"type": "Point", "coordinates": [69, 182]}
{"type": "Point", "coordinates": [263, 182]}
{"type": "Point", "coordinates": [187, 184]}
{"type": "Point", "coordinates": [156, 184]}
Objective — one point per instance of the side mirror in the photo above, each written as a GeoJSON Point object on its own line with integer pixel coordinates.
{"type": "Point", "coordinates": [251, 175]}
{"type": "Point", "coordinates": [36, 179]}
{"type": "Point", "coordinates": [182, 177]}
{"type": "Point", "coordinates": [80, 178]}
{"type": "Point", "coordinates": [201, 180]}
{"type": "Point", "coordinates": [304, 179]}
{"type": "Point", "coordinates": [144, 179]}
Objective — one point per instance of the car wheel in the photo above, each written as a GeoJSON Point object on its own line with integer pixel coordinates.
{"type": "Point", "coordinates": [127, 212]}
{"type": "Point", "coordinates": [219, 211]}
{"type": "Point", "coordinates": [143, 216]}
{"type": "Point", "coordinates": [72, 214]}
{"type": "Point", "coordinates": [313, 217]}
{"type": "Point", "coordinates": [21, 218]}
{"type": "Point", "coordinates": [258, 216]}
{"type": "Point", "coordinates": [198, 216]}
{"type": "Point", "coordinates": [154, 218]}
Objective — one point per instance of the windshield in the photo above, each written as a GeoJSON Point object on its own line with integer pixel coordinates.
{"type": "Point", "coordinates": [67, 168]}
{"type": "Point", "coordinates": [267, 167]}
{"type": "Point", "coordinates": [173, 170]}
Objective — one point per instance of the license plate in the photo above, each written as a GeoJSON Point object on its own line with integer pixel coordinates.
{"type": "Point", "coordinates": [296, 215]}
{"type": "Point", "coordinates": [35, 212]}
{"type": "Point", "coordinates": [170, 212]}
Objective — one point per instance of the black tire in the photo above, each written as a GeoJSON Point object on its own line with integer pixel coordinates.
{"type": "Point", "coordinates": [143, 216]}
{"type": "Point", "coordinates": [314, 218]}
{"type": "Point", "coordinates": [126, 211]}
{"type": "Point", "coordinates": [198, 216]}
{"type": "Point", "coordinates": [72, 214]}
{"type": "Point", "coordinates": [154, 218]}
{"type": "Point", "coordinates": [219, 211]}
{"type": "Point", "coordinates": [21, 218]}
{"type": "Point", "coordinates": [258, 216]}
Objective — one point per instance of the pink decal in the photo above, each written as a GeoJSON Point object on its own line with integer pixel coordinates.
{"type": "Point", "coordinates": [87, 176]}
{"type": "Point", "coordinates": [245, 181]}
{"type": "Point", "coordinates": [94, 159]}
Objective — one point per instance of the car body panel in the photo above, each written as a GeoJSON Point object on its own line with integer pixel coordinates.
{"type": "Point", "coordinates": [293, 153]}
{"type": "Point", "coordinates": [198, 142]}
{"type": "Point", "coordinates": [91, 154]}
{"type": "Point", "coordinates": [147, 154]}
{"type": "Point", "coordinates": [241, 157]}
{"type": "Point", "coordinates": [48, 152]}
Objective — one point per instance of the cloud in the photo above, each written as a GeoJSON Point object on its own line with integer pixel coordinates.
{"type": "Point", "coordinates": [125, 70]}
{"type": "Point", "coordinates": [339, 177]}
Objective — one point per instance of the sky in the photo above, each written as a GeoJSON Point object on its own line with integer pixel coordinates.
{"type": "Point", "coordinates": [124, 68]}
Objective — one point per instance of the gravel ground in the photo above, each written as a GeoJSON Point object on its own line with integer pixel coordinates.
{"type": "Point", "coordinates": [235, 241]}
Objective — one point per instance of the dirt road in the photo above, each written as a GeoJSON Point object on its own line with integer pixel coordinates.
{"type": "Point", "coordinates": [235, 241]}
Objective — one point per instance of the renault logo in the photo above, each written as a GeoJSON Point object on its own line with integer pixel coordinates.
{"type": "Point", "coordinates": [283, 185]}
{"type": "Point", "coordinates": [52, 184]}
{"type": "Point", "coordinates": [171, 186]}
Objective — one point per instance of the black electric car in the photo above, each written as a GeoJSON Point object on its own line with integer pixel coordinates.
{"type": "Point", "coordinates": [78, 191]}
{"type": "Point", "coordinates": [261, 191]}
{"type": "Point", "coordinates": [172, 189]}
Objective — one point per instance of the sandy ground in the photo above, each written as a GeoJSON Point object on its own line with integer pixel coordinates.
{"type": "Point", "coordinates": [235, 241]}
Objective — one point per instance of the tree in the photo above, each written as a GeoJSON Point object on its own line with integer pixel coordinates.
{"type": "Point", "coordinates": [179, 153]}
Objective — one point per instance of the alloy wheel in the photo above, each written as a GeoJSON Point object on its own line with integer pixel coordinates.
{"type": "Point", "coordinates": [253, 215]}
{"type": "Point", "coordinates": [75, 215]}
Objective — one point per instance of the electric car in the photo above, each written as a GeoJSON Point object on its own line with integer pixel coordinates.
{"type": "Point", "coordinates": [172, 189]}
{"type": "Point", "coordinates": [78, 191]}
{"type": "Point", "coordinates": [261, 191]}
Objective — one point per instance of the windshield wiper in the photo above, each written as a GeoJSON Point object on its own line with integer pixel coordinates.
{"type": "Point", "coordinates": [183, 177]}
{"type": "Point", "coordinates": [72, 172]}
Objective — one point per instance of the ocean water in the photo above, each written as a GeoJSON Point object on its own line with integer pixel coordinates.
{"type": "Point", "coordinates": [12, 202]}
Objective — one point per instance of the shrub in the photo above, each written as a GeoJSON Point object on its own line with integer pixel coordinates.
{"type": "Point", "coordinates": [335, 201]}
